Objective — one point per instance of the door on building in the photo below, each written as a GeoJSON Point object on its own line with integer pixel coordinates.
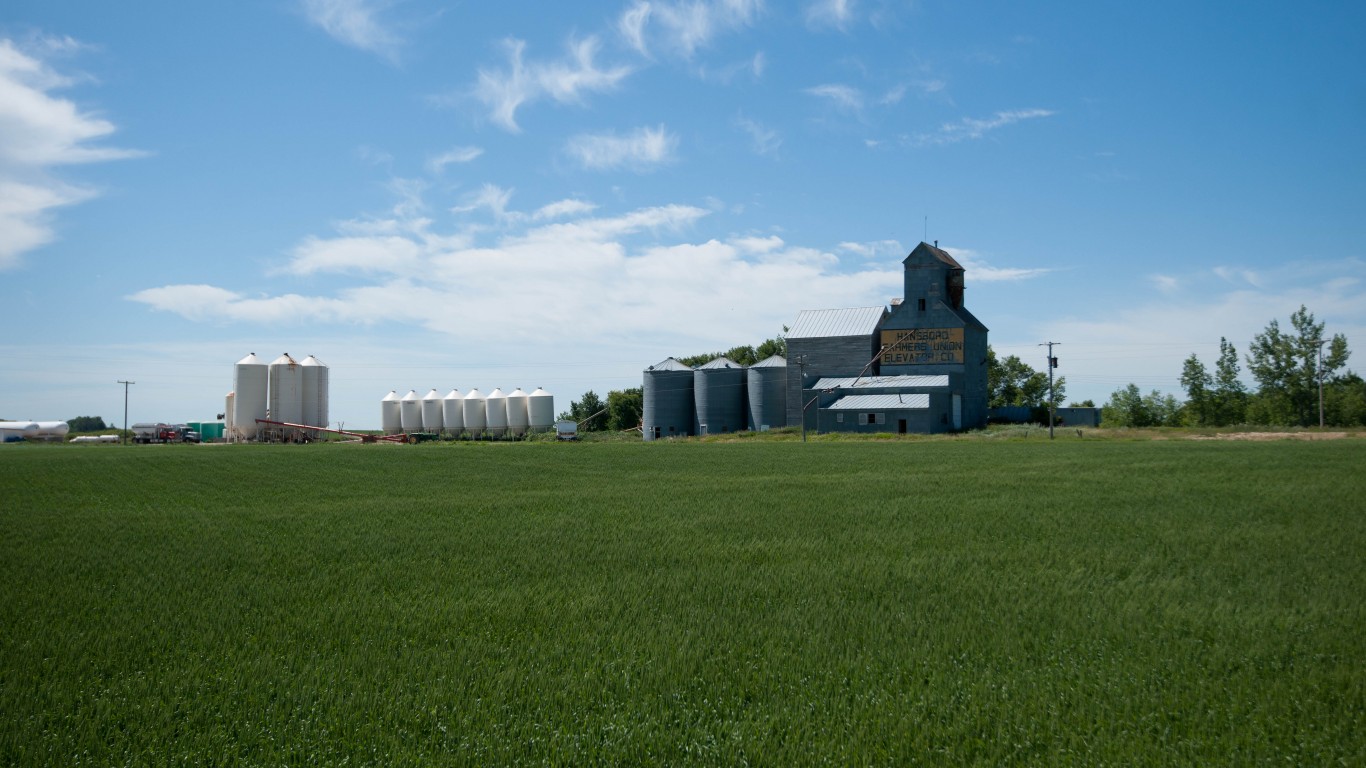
{"type": "Point", "coordinates": [901, 426]}
{"type": "Point", "coordinates": [957, 411]}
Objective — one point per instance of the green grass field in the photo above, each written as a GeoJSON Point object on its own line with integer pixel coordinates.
{"type": "Point", "coordinates": [877, 602]}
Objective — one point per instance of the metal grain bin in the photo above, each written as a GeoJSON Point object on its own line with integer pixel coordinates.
{"type": "Point", "coordinates": [767, 389]}
{"type": "Point", "coordinates": [719, 395]}
{"type": "Point", "coordinates": [669, 410]}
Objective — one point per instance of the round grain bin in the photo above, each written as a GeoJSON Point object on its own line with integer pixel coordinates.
{"type": "Point", "coordinates": [719, 394]}
{"type": "Point", "coordinates": [453, 412]}
{"type": "Point", "coordinates": [495, 405]}
{"type": "Point", "coordinates": [286, 392]}
{"type": "Point", "coordinates": [315, 393]}
{"type": "Point", "coordinates": [475, 416]}
{"type": "Point", "coordinates": [432, 418]}
{"type": "Point", "coordinates": [390, 414]}
{"type": "Point", "coordinates": [251, 377]}
{"type": "Point", "coordinates": [767, 389]}
{"type": "Point", "coordinates": [669, 410]}
{"type": "Point", "coordinates": [410, 411]}
{"type": "Point", "coordinates": [519, 418]}
{"type": "Point", "coordinates": [540, 410]}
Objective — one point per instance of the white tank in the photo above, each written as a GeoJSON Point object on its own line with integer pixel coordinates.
{"type": "Point", "coordinates": [314, 393]}
{"type": "Point", "coordinates": [475, 416]}
{"type": "Point", "coordinates": [229, 405]}
{"type": "Point", "coordinates": [518, 416]}
{"type": "Point", "coordinates": [453, 412]}
{"type": "Point", "coordinates": [410, 411]}
{"type": "Point", "coordinates": [390, 414]}
{"type": "Point", "coordinates": [250, 382]}
{"type": "Point", "coordinates": [540, 410]}
{"type": "Point", "coordinates": [432, 418]}
{"type": "Point", "coordinates": [286, 390]}
{"type": "Point", "coordinates": [495, 405]}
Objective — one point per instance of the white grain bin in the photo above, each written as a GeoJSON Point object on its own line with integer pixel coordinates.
{"type": "Point", "coordinates": [390, 414]}
{"type": "Point", "coordinates": [518, 416]}
{"type": "Point", "coordinates": [432, 418]}
{"type": "Point", "coordinates": [286, 392]}
{"type": "Point", "coordinates": [475, 416]}
{"type": "Point", "coordinates": [410, 411]}
{"type": "Point", "coordinates": [453, 412]}
{"type": "Point", "coordinates": [315, 393]}
{"type": "Point", "coordinates": [229, 406]}
{"type": "Point", "coordinates": [495, 405]}
{"type": "Point", "coordinates": [541, 410]}
{"type": "Point", "coordinates": [250, 382]}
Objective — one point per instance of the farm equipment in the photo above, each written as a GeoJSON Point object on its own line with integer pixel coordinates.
{"type": "Point", "coordinates": [364, 438]}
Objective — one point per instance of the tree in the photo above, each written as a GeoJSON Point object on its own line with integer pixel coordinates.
{"type": "Point", "coordinates": [87, 424]}
{"type": "Point", "coordinates": [589, 411]}
{"type": "Point", "coordinates": [1230, 396]}
{"type": "Point", "coordinates": [1128, 407]}
{"type": "Point", "coordinates": [1286, 367]}
{"type": "Point", "coordinates": [1199, 395]}
{"type": "Point", "coordinates": [624, 408]}
{"type": "Point", "coordinates": [1012, 382]}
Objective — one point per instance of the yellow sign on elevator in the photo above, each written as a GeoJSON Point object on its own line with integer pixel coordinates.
{"type": "Point", "coordinates": [923, 346]}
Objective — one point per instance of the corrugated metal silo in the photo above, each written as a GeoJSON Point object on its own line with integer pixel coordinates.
{"type": "Point", "coordinates": [391, 414]}
{"type": "Point", "coordinates": [540, 410]}
{"type": "Point", "coordinates": [229, 405]}
{"type": "Point", "coordinates": [669, 410]}
{"type": "Point", "coordinates": [519, 418]}
{"type": "Point", "coordinates": [315, 393]}
{"type": "Point", "coordinates": [767, 388]}
{"type": "Point", "coordinates": [251, 377]}
{"type": "Point", "coordinates": [410, 411]}
{"type": "Point", "coordinates": [286, 392]}
{"type": "Point", "coordinates": [453, 412]}
{"type": "Point", "coordinates": [475, 416]}
{"type": "Point", "coordinates": [432, 417]}
{"type": "Point", "coordinates": [495, 405]}
{"type": "Point", "coordinates": [719, 394]}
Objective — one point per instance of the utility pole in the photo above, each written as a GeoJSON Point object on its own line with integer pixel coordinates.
{"type": "Point", "coordinates": [1319, 374]}
{"type": "Point", "coordinates": [125, 409]}
{"type": "Point", "coordinates": [801, 387]}
{"type": "Point", "coordinates": [1052, 363]}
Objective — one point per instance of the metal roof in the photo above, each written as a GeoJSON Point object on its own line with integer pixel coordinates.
{"type": "Point", "coordinates": [719, 362]}
{"type": "Point", "coordinates": [668, 364]}
{"type": "Point", "coordinates": [772, 361]}
{"type": "Point", "coordinates": [918, 382]}
{"type": "Point", "coordinates": [820, 323]}
{"type": "Point", "coordinates": [880, 402]}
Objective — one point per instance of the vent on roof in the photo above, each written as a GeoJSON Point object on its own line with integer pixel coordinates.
{"type": "Point", "coordinates": [896, 302]}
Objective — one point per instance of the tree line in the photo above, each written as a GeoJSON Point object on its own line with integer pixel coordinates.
{"type": "Point", "coordinates": [1289, 367]}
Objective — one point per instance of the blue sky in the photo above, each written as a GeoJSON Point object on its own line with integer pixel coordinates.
{"type": "Point", "coordinates": [435, 194]}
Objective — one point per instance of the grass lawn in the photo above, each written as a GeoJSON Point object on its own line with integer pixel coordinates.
{"type": "Point", "coordinates": [779, 603]}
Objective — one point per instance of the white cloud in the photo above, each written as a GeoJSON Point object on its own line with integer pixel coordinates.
{"type": "Point", "coordinates": [355, 23]}
{"type": "Point", "coordinates": [563, 208]}
{"type": "Point", "coordinates": [642, 150]}
{"type": "Point", "coordinates": [874, 249]}
{"type": "Point", "coordinates": [491, 197]}
{"type": "Point", "coordinates": [564, 81]}
{"type": "Point", "coordinates": [681, 28]}
{"type": "Point", "coordinates": [974, 128]}
{"type": "Point", "coordinates": [843, 96]}
{"type": "Point", "coordinates": [979, 270]}
{"type": "Point", "coordinates": [838, 14]}
{"type": "Point", "coordinates": [1164, 283]}
{"type": "Point", "coordinates": [39, 132]}
{"type": "Point", "coordinates": [438, 163]}
{"type": "Point", "coordinates": [765, 140]}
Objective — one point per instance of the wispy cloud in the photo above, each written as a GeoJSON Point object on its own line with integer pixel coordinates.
{"type": "Point", "coordinates": [764, 140]}
{"type": "Point", "coordinates": [641, 150]}
{"type": "Point", "coordinates": [38, 133]}
{"type": "Point", "coordinates": [565, 81]}
{"type": "Point", "coordinates": [681, 28]}
{"type": "Point", "coordinates": [874, 249]}
{"type": "Point", "coordinates": [976, 128]}
{"type": "Point", "coordinates": [978, 269]}
{"type": "Point", "coordinates": [844, 97]}
{"type": "Point", "coordinates": [438, 163]}
{"type": "Point", "coordinates": [838, 14]}
{"type": "Point", "coordinates": [355, 23]}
